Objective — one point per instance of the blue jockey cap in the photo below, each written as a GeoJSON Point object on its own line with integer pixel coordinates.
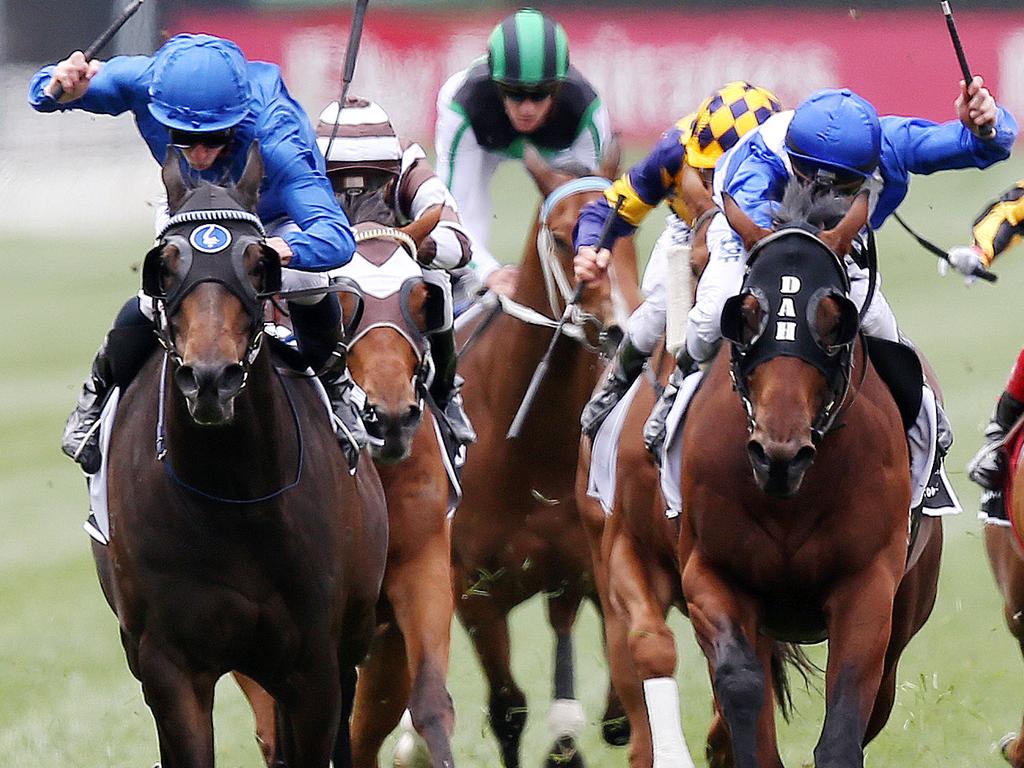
{"type": "Point", "coordinates": [200, 83]}
{"type": "Point", "coordinates": [837, 130]}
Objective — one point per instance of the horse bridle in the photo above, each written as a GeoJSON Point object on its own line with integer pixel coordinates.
{"type": "Point", "coordinates": [230, 233]}
{"type": "Point", "coordinates": [557, 284]}
{"type": "Point", "coordinates": [835, 361]}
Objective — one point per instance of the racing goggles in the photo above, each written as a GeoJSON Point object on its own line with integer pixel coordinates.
{"type": "Point", "coordinates": [211, 139]}
{"type": "Point", "coordinates": [828, 177]}
{"type": "Point", "coordinates": [519, 94]}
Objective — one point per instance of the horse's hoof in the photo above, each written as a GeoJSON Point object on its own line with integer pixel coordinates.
{"type": "Point", "coordinates": [1004, 746]}
{"type": "Point", "coordinates": [616, 731]}
{"type": "Point", "coordinates": [564, 754]}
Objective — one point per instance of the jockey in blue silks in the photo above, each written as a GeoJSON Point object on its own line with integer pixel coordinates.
{"type": "Point", "coordinates": [836, 141]}
{"type": "Point", "coordinates": [198, 94]}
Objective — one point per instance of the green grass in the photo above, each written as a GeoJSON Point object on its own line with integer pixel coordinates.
{"type": "Point", "coordinates": [66, 694]}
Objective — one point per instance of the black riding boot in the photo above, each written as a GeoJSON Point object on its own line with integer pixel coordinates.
{"type": "Point", "coordinates": [988, 467]}
{"type": "Point", "coordinates": [123, 352]}
{"type": "Point", "coordinates": [446, 385]}
{"type": "Point", "coordinates": [625, 367]}
{"type": "Point", "coordinates": [657, 422]}
{"type": "Point", "coordinates": [318, 332]}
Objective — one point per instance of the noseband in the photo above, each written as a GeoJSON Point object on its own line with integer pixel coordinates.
{"type": "Point", "coordinates": [789, 286]}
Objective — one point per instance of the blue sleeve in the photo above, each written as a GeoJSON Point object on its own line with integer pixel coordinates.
{"type": "Point", "coordinates": [325, 240]}
{"type": "Point", "coordinates": [755, 181]}
{"type": "Point", "coordinates": [121, 83]}
{"type": "Point", "coordinates": [923, 147]}
{"type": "Point", "coordinates": [652, 177]}
{"type": "Point", "coordinates": [592, 220]}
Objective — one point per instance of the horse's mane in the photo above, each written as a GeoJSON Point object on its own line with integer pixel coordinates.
{"type": "Point", "coordinates": [806, 206]}
{"type": "Point", "coordinates": [571, 167]}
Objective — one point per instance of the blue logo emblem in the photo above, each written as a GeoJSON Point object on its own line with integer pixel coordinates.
{"type": "Point", "coordinates": [210, 238]}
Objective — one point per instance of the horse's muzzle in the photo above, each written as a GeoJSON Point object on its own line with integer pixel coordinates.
{"type": "Point", "coordinates": [779, 467]}
{"type": "Point", "coordinates": [394, 431]}
{"type": "Point", "coordinates": [210, 391]}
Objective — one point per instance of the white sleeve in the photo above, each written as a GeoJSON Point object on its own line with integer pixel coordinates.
{"type": "Point", "coordinates": [466, 169]}
{"type": "Point", "coordinates": [593, 139]}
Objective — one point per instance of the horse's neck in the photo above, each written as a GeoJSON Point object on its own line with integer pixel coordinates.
{"type": "Point", "coordinates": [531, 288]}
{"type": "Point", "coordinates": [250, 457]}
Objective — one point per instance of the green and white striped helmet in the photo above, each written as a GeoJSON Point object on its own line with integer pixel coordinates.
{"type": "Point", "coordinates": [528, 49]}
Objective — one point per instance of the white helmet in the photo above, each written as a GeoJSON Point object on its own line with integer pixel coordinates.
{"type": "Point", "coordinates": [364, 138]}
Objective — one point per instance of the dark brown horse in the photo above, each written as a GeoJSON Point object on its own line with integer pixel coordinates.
{"type": "Point", "coordinates": [1006, 557]}
{"type": "Point", "coordinates": [518, 532]}
{"type": "Point", "coordinates": [813, 543]}
{"type": "Point", "coordinates": [239, 539]}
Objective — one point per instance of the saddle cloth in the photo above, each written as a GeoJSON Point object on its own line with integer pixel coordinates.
{"type": "Point", "coordinates": [604, 452]}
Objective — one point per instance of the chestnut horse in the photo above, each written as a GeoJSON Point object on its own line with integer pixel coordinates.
{"type": "Point", "coordinates": [1006, 556]}
{"type": "Point", "coordinates": [814, 543]}
{"type": "Point", "coordinates": [518, 532]}
{"type": "Point", "coordinates": [240, 541]}
{"type": "Point", "coordinates": [389, 312]}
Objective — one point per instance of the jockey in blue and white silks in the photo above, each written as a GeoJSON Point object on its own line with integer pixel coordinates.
{"type": "Point", "coordinates": [199, 97]}
{"type": "Point", "coordinates": [834, 138]}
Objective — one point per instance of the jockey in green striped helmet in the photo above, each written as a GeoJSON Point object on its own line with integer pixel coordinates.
{"type": "Point", "coordinates": [528, 50]}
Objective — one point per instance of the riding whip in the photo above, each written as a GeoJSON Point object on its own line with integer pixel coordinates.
{"type": "Point", "coordinates": [355, 34]}
{"type": "Point", "coordinates": [542, 369]}
{"type": "Point", "coordinates": [984, 131]}
{"type": "Point", "coordinates": [102, 40]}
{"type": "Point", "coordinates": [979, 271]}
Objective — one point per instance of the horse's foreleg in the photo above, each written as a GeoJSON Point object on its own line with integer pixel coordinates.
{"type": "Point", "coordinates": [264, 710]}
{"type": "Point", "coordinates": [422, 602]}
{"type": "Point", "coordinates": [311, 713]}
{"type": "Point", "coordinates": [859, 617]}
{"type": "Point", "coordinates": [565, 718]}
{"type": "Point", "coordinates": [382, 694]}
{"type": "Point", "coordinates": [487, 625]}
{"type": "Point", "coordinates": [651, 695]}
{"type": "Point", "coordinates": [182, 705]}
{"type": "Point", "coordinates": [1008, 569]}
{"type": "Point", "coordinates": [725, 621]}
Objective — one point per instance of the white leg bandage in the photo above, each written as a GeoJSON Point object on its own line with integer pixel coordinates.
{"type": "Point", "coordinates": [661, 695]}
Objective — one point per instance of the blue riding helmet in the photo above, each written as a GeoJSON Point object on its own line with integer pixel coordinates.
{"type": "Point", "coordinates": [200, 83]}
{"type": "Point", "coordinates": [835, 131]}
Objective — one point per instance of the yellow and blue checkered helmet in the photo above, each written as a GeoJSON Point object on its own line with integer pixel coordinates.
{"type": "Point", "coordinates": [724, 117]}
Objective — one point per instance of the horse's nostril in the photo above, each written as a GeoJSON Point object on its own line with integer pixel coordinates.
{"type": "Point", "coordinates": [757, 453]}
{"type": "Point", "coordinates": [804, 456]}
{"type": "Point", "coordinates": [231, 379]}
{"type": "Point", "coordinates": [185, 378]}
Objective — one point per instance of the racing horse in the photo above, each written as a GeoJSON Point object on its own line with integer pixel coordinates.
{"type": "Point", "coordinates": [517, 532]}
{"type": "Point", "coordinates": [1006, 556]}
{"type": "Point", "coordinates": [814, 542]}
{"type": "Point", "coordinates": [389, 310]}
{"type": "Point", "coordinates": [239, 539]}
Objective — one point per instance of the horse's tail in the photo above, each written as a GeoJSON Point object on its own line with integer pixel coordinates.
{"type": "Point", "coordinates": [790, 655]}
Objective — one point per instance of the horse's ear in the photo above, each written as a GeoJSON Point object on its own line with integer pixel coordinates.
{"type": "Point", "coordinates": [424, 225]}
{"type": "Point", "coordinates": [174, 182]}
{"type": "Point", "coordinates": [840, 237]}
{"type": "Point", "coordinates": [611, 158]}
{"type": "Point", "coordinates": [742, 224]}
{"type": "Point", "coordinates": [248, 188]}
{"type": "Point", "coordinates": [544, 176]}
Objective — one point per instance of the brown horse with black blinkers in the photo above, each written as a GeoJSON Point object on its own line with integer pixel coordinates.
{"type": "Point", "coordinates": [239, 540]}
{"type": "Point", "coordinates": [518, 532]}
{"type": "Point", "coordinates": [796, 497]}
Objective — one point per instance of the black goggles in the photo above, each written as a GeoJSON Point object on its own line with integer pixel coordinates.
{"type": "Point", "coordinates": [212, 139]}
{"type": "Point", "coordinates": [841, 182]}
{"type": "Point", "coordinates": [519, 95]}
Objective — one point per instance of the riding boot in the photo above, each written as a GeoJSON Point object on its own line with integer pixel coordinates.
{"type": "Point", "coordinates": [657, 422]}
{"type": "Point", "coordinates": [123, 352]}
{"type": "Point", "coordinates": [625, 367]}
{"type": "Point", "coordinates": [988, 467]}
{"type": "Point", "coordinates": [348, 422]}
{"type": "Point", "coordinates": [446, 386]}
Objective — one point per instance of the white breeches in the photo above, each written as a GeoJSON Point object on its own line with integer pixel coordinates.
{"type": "Point", "coordinates": [647, 323]}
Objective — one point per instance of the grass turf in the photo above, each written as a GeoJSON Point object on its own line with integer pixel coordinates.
{"type": "Point", "coordinates": [66, 693]}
